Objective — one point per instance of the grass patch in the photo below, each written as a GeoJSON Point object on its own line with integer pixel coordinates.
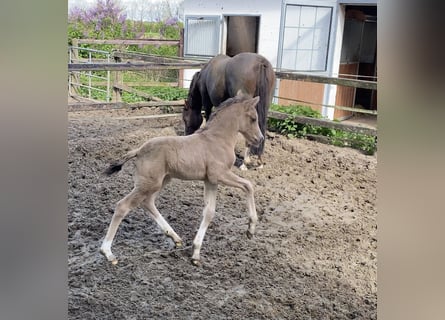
{"type": "Point", "coordinates": [166, 93]}
{"type": "Point", "coordinates": [162, 92]}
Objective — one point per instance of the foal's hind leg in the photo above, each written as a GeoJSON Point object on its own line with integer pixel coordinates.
{"type": "Point", "coordinates": [149, 204]}
{"type": "Point", "coordinates": [123, 207]}
{"type": "Point", "coordinates": [208, 213]}
{"type": "Point", "coordinates": [232, 180]}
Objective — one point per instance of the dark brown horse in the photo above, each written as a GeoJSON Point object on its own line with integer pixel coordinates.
{"type": "Point", "coordinates": [223, 77]}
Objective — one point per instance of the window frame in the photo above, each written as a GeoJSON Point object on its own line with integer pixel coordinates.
{"type": "Point", "coordinates": [217, 34]}
{"type": "Point", "coordinates": [283, 27]}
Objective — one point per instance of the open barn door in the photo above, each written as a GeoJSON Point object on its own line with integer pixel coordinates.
{"type": "Point", "coordinates": [241, 34]}
{"type": "Point", "coordinates": [359, 53]}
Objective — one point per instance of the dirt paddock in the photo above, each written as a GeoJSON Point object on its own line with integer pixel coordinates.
{"type": "Point", "coordinates": [313, 256]}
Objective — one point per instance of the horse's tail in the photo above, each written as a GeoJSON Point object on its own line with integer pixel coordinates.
{"type": "Point", "coordinates": [263, 90]}
{"type": "Point", "coordinates": [117, 165]}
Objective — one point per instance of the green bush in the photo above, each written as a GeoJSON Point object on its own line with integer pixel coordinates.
{"type": "Point", "coordinates": [293, 129]}
{"type": "Point", "coordinates": [289, 127]}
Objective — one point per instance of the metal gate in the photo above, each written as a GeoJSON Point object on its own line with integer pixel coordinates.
{"type": "Point", "coordinates": [91, 81]}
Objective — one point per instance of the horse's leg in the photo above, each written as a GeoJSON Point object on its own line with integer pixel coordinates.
{"type": "Point", "coordinates": [232, 180]}
{"type": "Point", "coordinates": [260, 161]}
{"type": "Point", "coordinates": [247, 159]}
{"type": "Point", "coordinates": [123, 207]}
{"type": "Point", "coordinates": [208, 214]}
{"type": "Point", "coordinates": [207, 103]}
{"type": "Point", "coordinates": [149, 205]}
{"type": "Point", "coordinates": [208, 112]}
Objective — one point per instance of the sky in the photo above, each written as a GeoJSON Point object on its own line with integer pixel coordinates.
{"type": "Point", "coordinates": [135, 9]}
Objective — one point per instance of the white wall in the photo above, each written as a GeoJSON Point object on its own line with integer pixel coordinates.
{"type": "Point", "coordinates": [269, 12]}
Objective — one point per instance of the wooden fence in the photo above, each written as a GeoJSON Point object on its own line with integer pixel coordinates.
{"type": "Point", "coordinates": [150, 62]}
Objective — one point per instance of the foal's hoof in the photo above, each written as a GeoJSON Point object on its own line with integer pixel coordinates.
{"type": "Point", "coordinates": [249, 234]}
{"type": "Point", "coordinates": [110, 257]}
{"type": "Point", "coordinates": [178, 244]}
{"type": "Point", "coordinates": [196, 262]}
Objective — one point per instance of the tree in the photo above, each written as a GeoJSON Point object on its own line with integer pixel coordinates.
{"type": "Point", "coordinates": [105, 20]}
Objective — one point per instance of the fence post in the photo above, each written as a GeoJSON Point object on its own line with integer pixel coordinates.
{"type": "Point", "coordinates": [74, 76]}
{"type": "Point", "coordinates": [117, 82]}
{"type": "Point", "coordinates": [181, 54]}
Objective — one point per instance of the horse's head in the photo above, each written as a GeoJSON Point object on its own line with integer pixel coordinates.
{"type": "Point", "coordinates": [248, 122]}
{"type": "Point", "coordinates": [192, 117]}
{"type": "Point", "coordinates": [191, 114]}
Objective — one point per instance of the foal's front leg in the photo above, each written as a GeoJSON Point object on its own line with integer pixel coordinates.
{"type": "Point", "coordinates": [208, 214]}
{"type": "Point", "coordinates": [232, 180]}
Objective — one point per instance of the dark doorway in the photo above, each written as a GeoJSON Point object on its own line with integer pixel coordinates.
{"type": "Point", "coordinates": [242, 34]}
{"type": "Point", "coordinates": [360, 49]}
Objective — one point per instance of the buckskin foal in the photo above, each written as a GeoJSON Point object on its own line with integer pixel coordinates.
{"type": "Point", "coordinates": [206, 155]}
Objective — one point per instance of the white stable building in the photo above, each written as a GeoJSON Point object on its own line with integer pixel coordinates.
{"type": "Point", "coordinates": [323, 37]}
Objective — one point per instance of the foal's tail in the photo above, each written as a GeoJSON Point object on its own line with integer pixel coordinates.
{"type": "Point", "coordinates": [117, 165]}
{"type": "Point", "coordinates": [264, 88]}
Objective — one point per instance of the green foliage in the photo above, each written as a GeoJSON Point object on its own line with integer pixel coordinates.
{"type": "Point", "coordinates": [96, 95]}
{"type": "Point", "coordinates": [166, 93]}
{"type": "Point", "coordinates": [107, 20]}
{"type": "Point", "coordinates": [74, 32]}
{"type": "Point", "coordinates": [292, 129]}
{"type": "Point", "coordinates": [295, 110]}
{"type": "Point", "coordinates": [165, 50]}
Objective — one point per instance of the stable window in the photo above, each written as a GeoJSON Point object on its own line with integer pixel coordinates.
{"type": "Point", "coordinates": [202, 36]}
{"type": "Point", "coordinates": [305, 38]}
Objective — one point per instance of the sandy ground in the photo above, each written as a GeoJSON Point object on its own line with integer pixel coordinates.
{"type": "Point", "coordinates": [313, 256]}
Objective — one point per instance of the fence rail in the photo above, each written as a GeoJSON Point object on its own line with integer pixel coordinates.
{"type": "Point", "coordinates": [152, 57]}
{"type": "Point", "coordinates": [129, 41]}
{"type": "Point", "coordinates": [289, 75]}
{"type": "Point", "coordinates": [131, 66]}
{"type": "Point", "coordinates": [143, 66]}
{"type": "Point", "coordinates": [152, 62]}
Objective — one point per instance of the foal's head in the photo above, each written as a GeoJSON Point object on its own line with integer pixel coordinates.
{"type": "Point", "coordinates": [248, 122]}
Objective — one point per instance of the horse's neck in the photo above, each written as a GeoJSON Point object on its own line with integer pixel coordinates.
{"type": "Point", "coordinates": [196, 98]}
{"type": "Point", "coordinates": [225, 130]}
